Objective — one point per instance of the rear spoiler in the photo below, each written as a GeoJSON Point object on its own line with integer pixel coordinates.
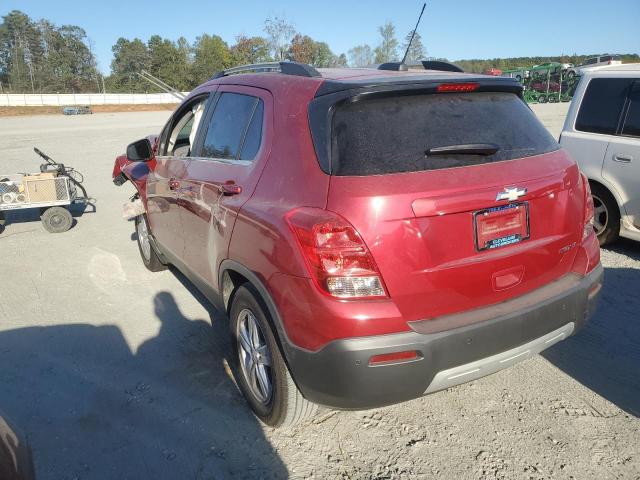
{"type": "Point", "coordinates": [419, 82]}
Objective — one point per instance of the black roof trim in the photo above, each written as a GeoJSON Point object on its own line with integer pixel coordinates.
{"type": "Point", "coordinates": [426, 64]}
{"type": "Point", "coordinates": [287, 68]}
{"type": "Point", "coordinates": [298, 69]}
{"type": "Point", "coordinates": [394, 66]}
{"type": "Point", "coordinates": [443, 66]}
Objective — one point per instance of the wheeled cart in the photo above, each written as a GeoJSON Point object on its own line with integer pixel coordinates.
{"type": "Point", "coordinates": [52, 190]}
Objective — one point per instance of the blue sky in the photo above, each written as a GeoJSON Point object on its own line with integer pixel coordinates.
{"type": "Point", "coordinates": [454, 29]}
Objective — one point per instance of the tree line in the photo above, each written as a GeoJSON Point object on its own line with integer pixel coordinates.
{"type": "Point", "coordinates": [40, 57]}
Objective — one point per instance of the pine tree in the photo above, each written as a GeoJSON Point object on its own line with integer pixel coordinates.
{"type": "Point", "coordinates": [416, 51]}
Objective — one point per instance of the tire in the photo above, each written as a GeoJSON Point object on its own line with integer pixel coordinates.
{"type": "Point", "coordinates": [56, 219]}
{"type": "Point", "coordinates": [275, 400]}
{"type": "Point", "coordinates": [147, 251]}
{"type": "Point", "coordinates": [542, 99]}
{"type": "Point", "coordinates": [606, 215]}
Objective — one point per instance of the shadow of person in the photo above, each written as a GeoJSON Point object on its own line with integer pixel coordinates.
{"type": "Point", "coordinates": [605, 354]}
{"type": "Point", "coordinates": [93, 408]}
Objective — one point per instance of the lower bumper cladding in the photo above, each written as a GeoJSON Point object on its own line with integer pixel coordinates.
{"type": "Point", "coordinates": [486, 366]}
{"type": "Point", "coordinates": [340, 375]}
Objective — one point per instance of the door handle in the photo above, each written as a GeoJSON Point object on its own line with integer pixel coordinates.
{"type": "Point", "coordinates": [622, 158]}
{"type": "Point", "coordinates": [229, 188]}
{"type": "Point", "coordinates": [174, 184]}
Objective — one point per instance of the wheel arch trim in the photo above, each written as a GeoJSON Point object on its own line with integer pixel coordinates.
{"type": "Point", "coordinates": [611, 189]}
{"type": "Point", "coordinates": [229, 265]}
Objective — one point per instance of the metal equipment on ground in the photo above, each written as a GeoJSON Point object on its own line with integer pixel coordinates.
{"type": "Point", "coordinates": [53, 191]}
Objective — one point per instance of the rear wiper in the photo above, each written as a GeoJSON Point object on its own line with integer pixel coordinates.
{"type": "Point", "coordinates": [465, 149]}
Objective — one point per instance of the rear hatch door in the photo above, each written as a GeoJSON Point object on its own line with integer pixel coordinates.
{"type": "Point", "coordinates": [464, 199]}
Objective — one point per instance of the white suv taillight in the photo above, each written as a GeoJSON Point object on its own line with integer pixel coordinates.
{"type": "Point", "coordinates": [588, 208]}
{"type": "Point", "coordinates": [338, 259]}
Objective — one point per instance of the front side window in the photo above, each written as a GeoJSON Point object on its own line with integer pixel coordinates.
{"type": "Point", "coordinates": [235, 129]}
{"type": "Point", "coordinates": [602, 105]}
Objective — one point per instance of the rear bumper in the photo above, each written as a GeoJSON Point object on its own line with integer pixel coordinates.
{"type": "Point", "coordinates": [480, 343]}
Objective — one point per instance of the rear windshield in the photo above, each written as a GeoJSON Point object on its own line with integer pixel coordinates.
{"type": "Point", "coordinates": [393, 134]}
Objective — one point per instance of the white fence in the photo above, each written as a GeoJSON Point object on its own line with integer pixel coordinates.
{"type": "Point", "coordinates": [55, 99]}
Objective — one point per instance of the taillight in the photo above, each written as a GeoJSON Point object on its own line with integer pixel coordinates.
{"type": "Point", "coordinates": [588, 209]}
{"type": "Point", "coordinates": [457, 87]}
{"type": "Point", "coordinates": [338, 259]}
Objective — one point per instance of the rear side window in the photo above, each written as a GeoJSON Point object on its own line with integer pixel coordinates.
{"type": "Point", "coordinates": [602, 105]}
{"type": "Point", "coordinates": [393, 134]}
{"type": "Point", "coordinates": [252, 139]}
{"type": "Point", "coordinates": [631, 127]}
{"type": "Point", "coordinates": [232, 126]}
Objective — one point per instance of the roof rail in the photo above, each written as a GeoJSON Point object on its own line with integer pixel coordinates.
{"type": "Point", "coordinates": [394, 66]}
{"type": "Point", "coordinates": [426, 64]}
{"type": "Point", "coordinates": [287, 68]}
{"type": "Point", "coordinates": [443, 66]}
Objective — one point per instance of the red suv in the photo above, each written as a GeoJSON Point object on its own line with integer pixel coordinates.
{"type": "Point", "coordinates": [373, 235]}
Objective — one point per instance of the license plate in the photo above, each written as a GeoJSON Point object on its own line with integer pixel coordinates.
{"type": "Point", "coordinates": [501, 226]}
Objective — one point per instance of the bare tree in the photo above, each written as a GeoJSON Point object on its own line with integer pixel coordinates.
{"type": "Point", "coordinates": [387, 51]}
{"type": "Point", "coordinates": [361, 56]}
{"type": "Point", "coordinates": [279, 34]}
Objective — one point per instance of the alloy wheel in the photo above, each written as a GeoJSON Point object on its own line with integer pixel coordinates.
{"type": "Point", "coordinates": [143, 238]}
{"type": "Point", "coordinates": [254, 356]}
{"type": "Point", "coordinates": [600, 215]}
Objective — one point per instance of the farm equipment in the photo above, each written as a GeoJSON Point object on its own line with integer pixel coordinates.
{"type": "Point", "coordinates": [53, 191]}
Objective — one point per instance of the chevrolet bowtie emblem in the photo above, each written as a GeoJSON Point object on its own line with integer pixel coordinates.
{"type": "Point", "coordinates": [511, 194]}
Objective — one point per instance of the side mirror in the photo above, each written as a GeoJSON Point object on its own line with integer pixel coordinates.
{"type": "Point", "coordinates": [140, 151]}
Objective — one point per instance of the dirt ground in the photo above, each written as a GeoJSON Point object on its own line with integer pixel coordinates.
{"type": "Point", "coordinates": [20, 111]}
{"type": "Point", "coordinates": [114, 372]}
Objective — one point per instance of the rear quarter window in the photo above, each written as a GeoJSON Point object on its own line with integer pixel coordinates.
{"type": "Point", "coordinates": [392, 134]}
{"type": "Point", "coordinates": [631, 126]}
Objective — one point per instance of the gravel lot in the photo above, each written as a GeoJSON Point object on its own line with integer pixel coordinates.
{"type": "Point", "coordinates": [114, 372]}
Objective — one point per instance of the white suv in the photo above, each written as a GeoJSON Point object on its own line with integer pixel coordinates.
{"type": "Point", "coordinates": [593, 62]}
{"type": "Point", "coordinates": [602, 133]}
